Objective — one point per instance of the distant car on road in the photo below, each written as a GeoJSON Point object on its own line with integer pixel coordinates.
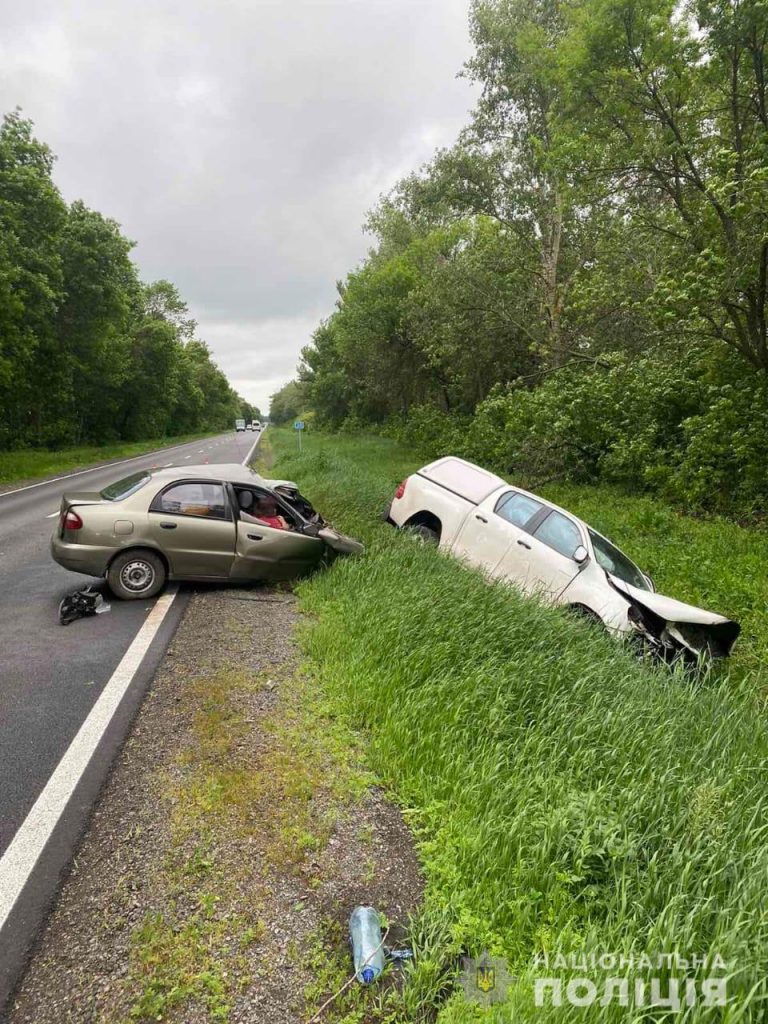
{"type": "Point", "coordinates": [542, 549]}
{"type": "Point", "coordinates": [240, 425]}
{"type": "Point", "coordinates": [211, 522]}
{"type": "Point", "coordinates": [255, 425]}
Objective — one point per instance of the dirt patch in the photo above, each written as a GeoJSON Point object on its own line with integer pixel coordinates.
{"type": "Point", "coordinates": [236, 832]}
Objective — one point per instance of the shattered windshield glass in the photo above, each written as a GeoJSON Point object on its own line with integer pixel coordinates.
{"type": "Point", "coordinates": [616, 562]}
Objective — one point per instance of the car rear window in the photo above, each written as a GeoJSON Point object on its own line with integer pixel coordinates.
{"type": "Point", "coordinates": [128, 485]}
{"type": "Point", "coordinates": [468, 481]}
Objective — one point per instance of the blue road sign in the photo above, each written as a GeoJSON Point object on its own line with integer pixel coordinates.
{"type": "Point", "coordinates": [298, 425]}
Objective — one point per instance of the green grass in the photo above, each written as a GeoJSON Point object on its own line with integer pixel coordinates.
{"type": "Point", "coordinates": [34, 463]}
{"type": "Point", "coordinates": [566, 798]}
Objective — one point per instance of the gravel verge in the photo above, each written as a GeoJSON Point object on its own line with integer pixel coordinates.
{"type": "Point", "coordinates": [234, 836]}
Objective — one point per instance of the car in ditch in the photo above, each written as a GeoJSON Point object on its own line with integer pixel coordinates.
{"type": "Point", "coordinates": [523, 539]}
{"type": "Point", "coordinates": [204, 523]}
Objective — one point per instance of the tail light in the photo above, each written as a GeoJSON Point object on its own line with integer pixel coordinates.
{"type": "Point", "coordinates": [401, 489]}
{"type": "Point", "coordinates": [71, 520]}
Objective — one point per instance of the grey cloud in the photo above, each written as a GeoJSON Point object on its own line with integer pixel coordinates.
{"type": "Point", "coordinates": [239, 143]}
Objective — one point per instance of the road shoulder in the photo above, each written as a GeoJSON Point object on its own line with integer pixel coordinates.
{"type": "Point", "coordinates": [238, 829]}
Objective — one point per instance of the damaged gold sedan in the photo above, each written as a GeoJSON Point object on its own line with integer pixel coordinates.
{"type": "Point", "coordinates": [205, 523]}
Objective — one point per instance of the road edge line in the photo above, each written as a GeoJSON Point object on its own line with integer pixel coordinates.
{"type": "Point", "coordinates": [247, 458]}
{"type": "Point", "coordinates": [24, 851]}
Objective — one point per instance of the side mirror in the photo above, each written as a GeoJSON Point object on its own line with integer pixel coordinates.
{"type": "Point", "coordinates": [580, 555]}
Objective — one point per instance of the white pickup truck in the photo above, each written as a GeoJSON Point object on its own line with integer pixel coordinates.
{"type": "Point", "coordinates": [546, 551]}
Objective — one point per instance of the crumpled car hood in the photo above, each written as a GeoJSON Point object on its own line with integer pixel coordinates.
{"type": "Point", "coordinates": [700, 631]}
{"type": "Point", "coordinates": [668, 607]}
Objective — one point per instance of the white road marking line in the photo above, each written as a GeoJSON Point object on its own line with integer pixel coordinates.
{"type": "Point", "coordinates": [19, 859]}
{"type": "Point", "coordinates": [52, 514]}
{"type": "Point", "coordinates": [187, 456]}
{"type": "Point", "coordinates": [247, 458]}
{"type": "Point", "coordinates": [95, 469]}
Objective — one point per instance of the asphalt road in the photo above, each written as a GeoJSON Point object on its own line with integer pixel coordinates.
{"type": "Point", "coordinates": [51, 676]}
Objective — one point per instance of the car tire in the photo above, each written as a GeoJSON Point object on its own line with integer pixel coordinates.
{"type": "Point", "coordinates": [136, 575]}
{"type": "Point", "coordinates": [424, 533]}
{"type": "Point", "coordinates": [580, 611]}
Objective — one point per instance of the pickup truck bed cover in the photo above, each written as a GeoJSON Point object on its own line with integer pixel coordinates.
{"type": "Point", "coordinates": [462, 478]}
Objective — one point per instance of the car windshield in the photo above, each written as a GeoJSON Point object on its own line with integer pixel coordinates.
{"type": "Point", "coordinates": [122, 488]}
{"type": "Point", "coordinates": [616, 562]}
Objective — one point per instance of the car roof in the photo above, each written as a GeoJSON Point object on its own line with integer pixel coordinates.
{"type": "Point", "coordinates": [479, 484]}
{"type": "Point", "coordinates": [233, 472]}
{"type": "Point", "coordinates": [464, 478]}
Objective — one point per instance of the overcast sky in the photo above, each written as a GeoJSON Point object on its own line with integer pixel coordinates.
{"type": "Point", "coordinates": [239, 142]}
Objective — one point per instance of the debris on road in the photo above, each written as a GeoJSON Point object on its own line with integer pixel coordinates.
{"type": "Point", "coordinates": [81, 604]}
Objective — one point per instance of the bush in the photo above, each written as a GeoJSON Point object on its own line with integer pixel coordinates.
{"type": "Point", "coordinates": [431, 431]}
{"type": "Point", "coordinates": [693, 430]}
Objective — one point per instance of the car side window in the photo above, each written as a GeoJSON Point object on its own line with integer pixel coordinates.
{"type": "Point", "coordinates": [517, 508]}
{"type": "Point", "coordinates": [559, 532]}
{"type": "Point", "coordinates": [193, 498]}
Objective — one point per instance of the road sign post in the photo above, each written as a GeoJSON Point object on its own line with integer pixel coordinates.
{"type": "Point", "coordinates": [298, 426]}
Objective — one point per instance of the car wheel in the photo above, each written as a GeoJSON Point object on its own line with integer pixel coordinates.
{"type": "Point", "coordinates": [424, 533]}
{"type": "Point", "coordinates": [136, 575]}
{"type": "Point", "coordinates": [581, 611]}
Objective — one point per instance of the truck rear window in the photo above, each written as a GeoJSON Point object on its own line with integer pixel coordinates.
{"type": "Point", "coordinates": [128, 485]}
{"type": "Point", "coordinates": [468, 481]}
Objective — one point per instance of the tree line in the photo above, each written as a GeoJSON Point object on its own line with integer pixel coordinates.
{"type": "Point", "coordinates": [578, 287]}
{"type": "Point", "coordinates": [88, 352]}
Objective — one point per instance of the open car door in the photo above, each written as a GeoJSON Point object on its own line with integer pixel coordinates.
{"type": "Point", "coordinates": [340, 543]}
{"type": "Point", "coordinates": [265, 553]}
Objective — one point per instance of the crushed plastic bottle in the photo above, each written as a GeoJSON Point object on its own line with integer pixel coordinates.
{"type": "Point", "coordinates": [367, 947]}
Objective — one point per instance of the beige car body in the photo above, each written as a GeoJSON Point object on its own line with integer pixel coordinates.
{"type": "Point", "coordinates": [192, 546]}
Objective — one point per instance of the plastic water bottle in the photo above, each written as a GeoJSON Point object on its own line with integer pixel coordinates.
{"type": "Point", "coordinates": [367, 948]}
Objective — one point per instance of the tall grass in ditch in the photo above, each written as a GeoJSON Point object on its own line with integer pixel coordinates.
{"type": "Point", "coordinates": [566, 798]}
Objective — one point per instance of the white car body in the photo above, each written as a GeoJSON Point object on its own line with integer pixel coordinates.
{"type": "Point", "coordinates": [545, 550]}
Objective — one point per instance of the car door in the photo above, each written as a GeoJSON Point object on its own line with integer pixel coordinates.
{"type": "Point", "coordinates": [493, 527]}
{"type": "Point", "coordinates": [543, 561]}
{"type": "Point", "coordinates": [191, 521]}
{"type": "Point", "coordinates": [265, 553]}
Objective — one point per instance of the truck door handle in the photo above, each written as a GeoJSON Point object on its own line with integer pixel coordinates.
{"type": "Point", "coordinates": [481, 519]}
{"type": "Point", "coordinates": [524, 545]}
{"type": "Point", "coordinates": [167, 526]}
{"type": "Point", "coordinates": [255, 536]}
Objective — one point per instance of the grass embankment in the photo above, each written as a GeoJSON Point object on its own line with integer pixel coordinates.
{"type": "Point", "coordinates": [566, 798]}
{"type": "Point", "coordinates": [35, 463]}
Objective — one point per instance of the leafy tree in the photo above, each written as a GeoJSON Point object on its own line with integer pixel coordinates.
{"type": "Point", "coordinates": [32, 214]}
{"type": "Point", "coordinates": [287, 403]}
{"type": "Point", "coordinates": [87, 352]}
{"type": "Point", "coordinates": [674, 117]}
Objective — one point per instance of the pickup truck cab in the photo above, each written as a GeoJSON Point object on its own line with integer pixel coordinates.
{"type": "Point", "coordinates": [548, 552]}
